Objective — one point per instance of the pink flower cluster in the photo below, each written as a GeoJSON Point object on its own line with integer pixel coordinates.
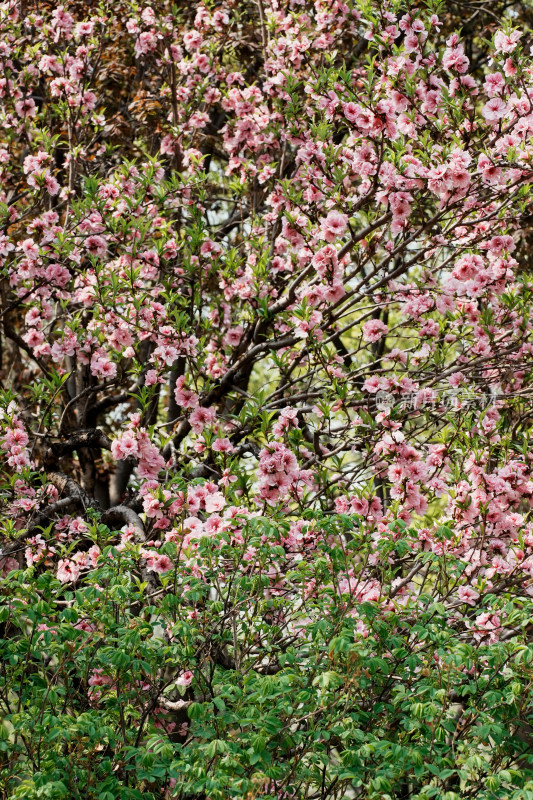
{"type": "Point", "coordinates": [373, 330]}
{"type": "Point", "coordinates": [37, 168]}
{"type": "Point", "coordinates": [14, 440]}
{"type": "Point", "coordinates": [278, 470]}
{"type": "Point", "coordinates": [157, 562]}
{"type": "Point", "coordinates": [334, 226]}
{"type": "Point", "coordinates": [135, 442]}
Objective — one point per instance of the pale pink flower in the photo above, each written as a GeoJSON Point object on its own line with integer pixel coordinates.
{"type": "Point", "coordinates": [201, 417]}
{"type": "Point", "coordinates": [372, 384]}
{"type": "Point", "coordinates": [334, 226]}
{"type": "Point", "coordinates": [233, 336]}
{"type": "Point", "coordinates": [454, 59]}
{"type": "Point", "coordinates": [96, 245]}
{"type": "Point", "coordinates": [192, 40]}
{"type": "Point", "coordinates": [506, 43]}
{"type": "Point", "coordinates": [185, 397]}
{"type": "Point", "coordinates": [456, 379]}
{"type": "Point", "coordinates": [400, 205]}
{"type": "Point", "coordinates": [194, 526]}
{"type": "Point", "coordinates": [26, 107]}
{"type": "Point", "coordinates": [490, 173]}
{"type": "Point", "coordinates": [30, 249]}
{"type": "Point", "coordinates": [94, 554]}
{"type": "Point", "coordinates": [494, 84]}
{"type": "Point", "coordinates": [494, 110]}
{"type": "Point", "coordinates": [214, 524]}
{"type": "Point", "coordinates": [84, 29]}
{"type": "Point", "coordinates": [124, 446]}
{"type": "Point", "coordinates": [468, 595]}
{"type": "Point", "coordinates": [67, 571]}
{"type": "Point", "coordinates": [214, 502]}
{"type": "Point", "coordinates": [373, 330]}
{"type": "Point", "coordinates": [222, 446]}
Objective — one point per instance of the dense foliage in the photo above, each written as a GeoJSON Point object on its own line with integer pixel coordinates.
{"type": "Point", "coordinates": [266, 358]}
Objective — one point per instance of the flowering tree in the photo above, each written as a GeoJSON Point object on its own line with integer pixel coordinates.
{"type": "Point", "coordinates": [266, 363]}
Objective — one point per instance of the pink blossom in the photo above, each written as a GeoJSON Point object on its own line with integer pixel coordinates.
{"type": "Point", "coordinates": [194, 526]}
{"type": "Point", "coordinates": [233, 336]}
{"type": "Point", "coordinates": [490, 172]}
{"type": "Point", "coordinates": [151, 462]}
{"type": "Point", "coordinates": [222, 446]}
{"type": "Point", "coordinates": [30, 249]}
{"type": "Point", "coordinates": [151, 378]}
{"type": "Point", "coordinates": [454, 59]}
{"type": "Point", "coordinates": [185, 679]}
{"type": "Point", "coordinates": [494, 84]}
{"type": "Point", "coordinates": [334, 226]}
{"type": "Point", "coordinates": [26, 108]}
{"type": "Point", "coordinates": [467, 267]}
{"type": "Point", "coordinates": [468, 595]}
{"type": "Point", "coordinates": [161, 564]}
{"type": "Point", "coordinates": [494, 110]}
{"type": "Point", "coordinates": [146, 43]}
{"type": "Point", "coordinates": [96, 246]}
{"type": "Point", "coordinates": [400, 204]}
{"type": "Point", "coordinates": [278, 468]}
{"type": "Point", "coordinates": [85, 625]}
{"type": "Point", "coordinates": [500, 243]}
{"type": "Point", "coordinates": [98, 678]}
{"type": "Point", "coordinates": [201, 417]}
{"type": "Point", "coordinates": [84, 29]}
{"type": "Point", "coordinates": [372, 384]}
{"type": "Point", "coordinates": [487, 625]}
{"type": "Point", "coordinates": [214, 502]}
{"type": "Point", "coordinates": [456, 379]}
{"type": "Point", "coordinates": [374, 329]}
{"type": "Point", "coordinates": [67, 571]}
{"type": "Point", "coordinates": [124, 446]}
{"type": "Point", "coordinates": [214, 524]}
{"type": "Point", "coordinates": [185, 397]}
{"type": "Point", "coordinates": [102, 366]}
{"type": "Point", "coordinates": [351, 111]}
{"type": "Point", "coordinates": [506, 43]}
{"type": "Point", "coordinates": [227, 478]}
